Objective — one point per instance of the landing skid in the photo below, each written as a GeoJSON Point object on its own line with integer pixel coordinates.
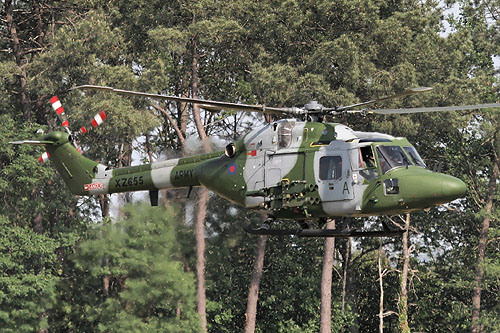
{"type": "Point", "coordinates": [324, 233]}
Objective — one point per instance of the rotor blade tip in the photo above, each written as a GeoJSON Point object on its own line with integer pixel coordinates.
{"type": "Point", "coordinates": [92, 87]}
{"type": "Point", "coordinates": [421, 89]}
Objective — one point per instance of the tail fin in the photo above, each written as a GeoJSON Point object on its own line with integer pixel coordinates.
{"type": "Point", "coordinates": [75, 169]}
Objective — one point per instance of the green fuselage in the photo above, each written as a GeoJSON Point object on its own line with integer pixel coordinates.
{"type": "Point", "coordinates": [289, 169]}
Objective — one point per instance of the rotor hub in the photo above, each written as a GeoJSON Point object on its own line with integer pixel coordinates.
{"type": "Point", "coordinates": [313, 106]}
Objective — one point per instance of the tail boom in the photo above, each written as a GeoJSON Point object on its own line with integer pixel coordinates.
{"type": "Point", "coordinates": [174, 173]}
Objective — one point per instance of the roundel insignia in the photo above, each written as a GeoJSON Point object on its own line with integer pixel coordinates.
{"type": "Point", "coordinates": [232, 168]}
{"type": "Point", "coordinates": [324, 132]}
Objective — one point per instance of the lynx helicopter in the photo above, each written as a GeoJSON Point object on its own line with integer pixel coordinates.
{"type": "Point", "coordinates": [299, 168]}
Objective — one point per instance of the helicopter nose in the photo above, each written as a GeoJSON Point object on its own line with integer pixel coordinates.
{"type": "Point", "coordinates": [452, 188]}
{"type": "Point", "coordinates": [430, 188]}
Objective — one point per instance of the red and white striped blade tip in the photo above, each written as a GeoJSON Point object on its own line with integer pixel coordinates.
{"type": "Point", "coordinates": [98, 119]}
{"type": "Point", "coordinates": [44, 158]}
{"type": "Point", "coordinates": [56, 105]}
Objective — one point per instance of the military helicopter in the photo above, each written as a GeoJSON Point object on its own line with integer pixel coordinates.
{"type": "Point", "coordinates": [299, 168]}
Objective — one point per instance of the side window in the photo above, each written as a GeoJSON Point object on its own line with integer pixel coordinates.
{"type": "Point", "coordinates": [330, 168]}
{"type": "Point", "coordinates": [285, 135]}
{"type": "Point", "coordinates": [391, 186]}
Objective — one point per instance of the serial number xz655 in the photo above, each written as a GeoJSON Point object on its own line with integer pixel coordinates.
{"type": "Point", "coordinates": [129, 181]}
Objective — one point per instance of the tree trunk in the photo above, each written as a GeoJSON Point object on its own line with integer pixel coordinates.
{"type": "Point", "coordinates": [200, 256]}
{"type": "Point", "coordinates": [20, 60]}
{"type": "Point", "coordinates": [381, 287]}
{"type": "Point", "coordinates": [326, 282]}
{"type": "Point", "coordinates": [347, 259]}
{"type": "Point", "coordinates": [483, 241]}
{"type": "Point", "coordinates": [104, 204]}
{"type": "Point", "coordinates": [253, 290]}
{"type": "Point", "coordinates": [202, 203]}
{"type": "Point", "coordinates": [403, 296]}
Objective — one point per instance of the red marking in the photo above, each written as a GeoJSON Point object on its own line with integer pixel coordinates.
{"type": "Point", "coordinates": [65, 123]}
{"type": "Point", "coordinates": [79, 150]}
{"type": "Point", "coordinates": [98, 119]}
{"type": "Point", "coordinates": [43, 158]}
{"type": "Point", "coordinates": [252, 153]}
{"type": "Point", "coordinates": [56, 105]}
{"type": "Point", "coordinates": [252, 144]}
{"type": "Point", "coordinates": [232, 168]}
{"type": "Point", "coordinates": [83, 130]}
{"type": "Point", "coordinates": [93, 186]}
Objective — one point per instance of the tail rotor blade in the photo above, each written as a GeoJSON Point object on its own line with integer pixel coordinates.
{"type": "Point", "coordinates": [96, 121]}
{"type": "Point", "coordinates": [43, 158]}
{"type": "Point", "coordinates": [58, 108]}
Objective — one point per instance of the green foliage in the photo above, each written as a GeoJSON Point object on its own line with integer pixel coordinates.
{"type": "Point", "coordinates": [289, 293]}
{"type": "Point", "coordinates": [28, 264]}
{"type": "Point", "coordinates": [274, 52]}
{"type": "Point", "coordinates": [128, 277]}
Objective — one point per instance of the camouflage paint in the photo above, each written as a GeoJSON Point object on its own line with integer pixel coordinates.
{"type": "Point", "coordinates": [75, 169]}
{"type": "Point", "coordinates": [275, 169]}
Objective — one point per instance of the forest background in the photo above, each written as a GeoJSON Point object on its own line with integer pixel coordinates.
{"type": "Point", "coordinates": [67, 265]}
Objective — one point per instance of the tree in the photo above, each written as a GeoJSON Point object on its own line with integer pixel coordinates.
{"type": "Point", "coordinates": [27, 282]}
{"type": "Point", "coordinates": [326, 281]}
{"type": "Point", "coordinates": [253, 290]}
{"type": "Point", "coordinates": [148, 287]}
{"type": "Point", "coordinates": [403, 297]}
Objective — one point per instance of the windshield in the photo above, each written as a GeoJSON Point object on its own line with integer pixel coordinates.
{"type": "Point", "coordinates": [391, 157]}
{"type": "Point", "coordinates": [415, 157]}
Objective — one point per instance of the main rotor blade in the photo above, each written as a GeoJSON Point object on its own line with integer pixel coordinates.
{"type": "Point", "coordinates": [404, 93]}
{"type": "Point", "coordinates": [30, 142]}
{"type": "Point", "coordinates": [436, 109]}
{"type": "Point", "coordinates": [209, 105]}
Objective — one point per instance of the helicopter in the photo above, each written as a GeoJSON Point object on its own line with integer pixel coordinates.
{"type": "Point", "coordinates": [300, 168]}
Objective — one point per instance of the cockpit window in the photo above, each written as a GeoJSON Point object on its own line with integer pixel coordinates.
{"type": "Point", "coordinates": [415, 157]}
{"type": "Point", "coordinates": [391, 157]}
{"type": "Point", "coordinates": [366, 156]}
{"type": "Point", "coordinates": [366, 162]}
{"type": "Point", "coordinates": [285, 135]}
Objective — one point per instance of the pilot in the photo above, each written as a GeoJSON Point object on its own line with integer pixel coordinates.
{"type": "Point", "coordinates": [369, 159]}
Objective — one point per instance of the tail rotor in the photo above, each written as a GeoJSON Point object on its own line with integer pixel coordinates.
{"type": "Point", "coordinates": [61, 115]}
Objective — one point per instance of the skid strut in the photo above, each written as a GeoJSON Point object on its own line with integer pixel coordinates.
{"type": "Point", "coordinates": [325, 233]}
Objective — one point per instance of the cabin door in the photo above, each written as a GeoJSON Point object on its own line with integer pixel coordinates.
{"type": "Point", "coordinates": [333, 174]}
